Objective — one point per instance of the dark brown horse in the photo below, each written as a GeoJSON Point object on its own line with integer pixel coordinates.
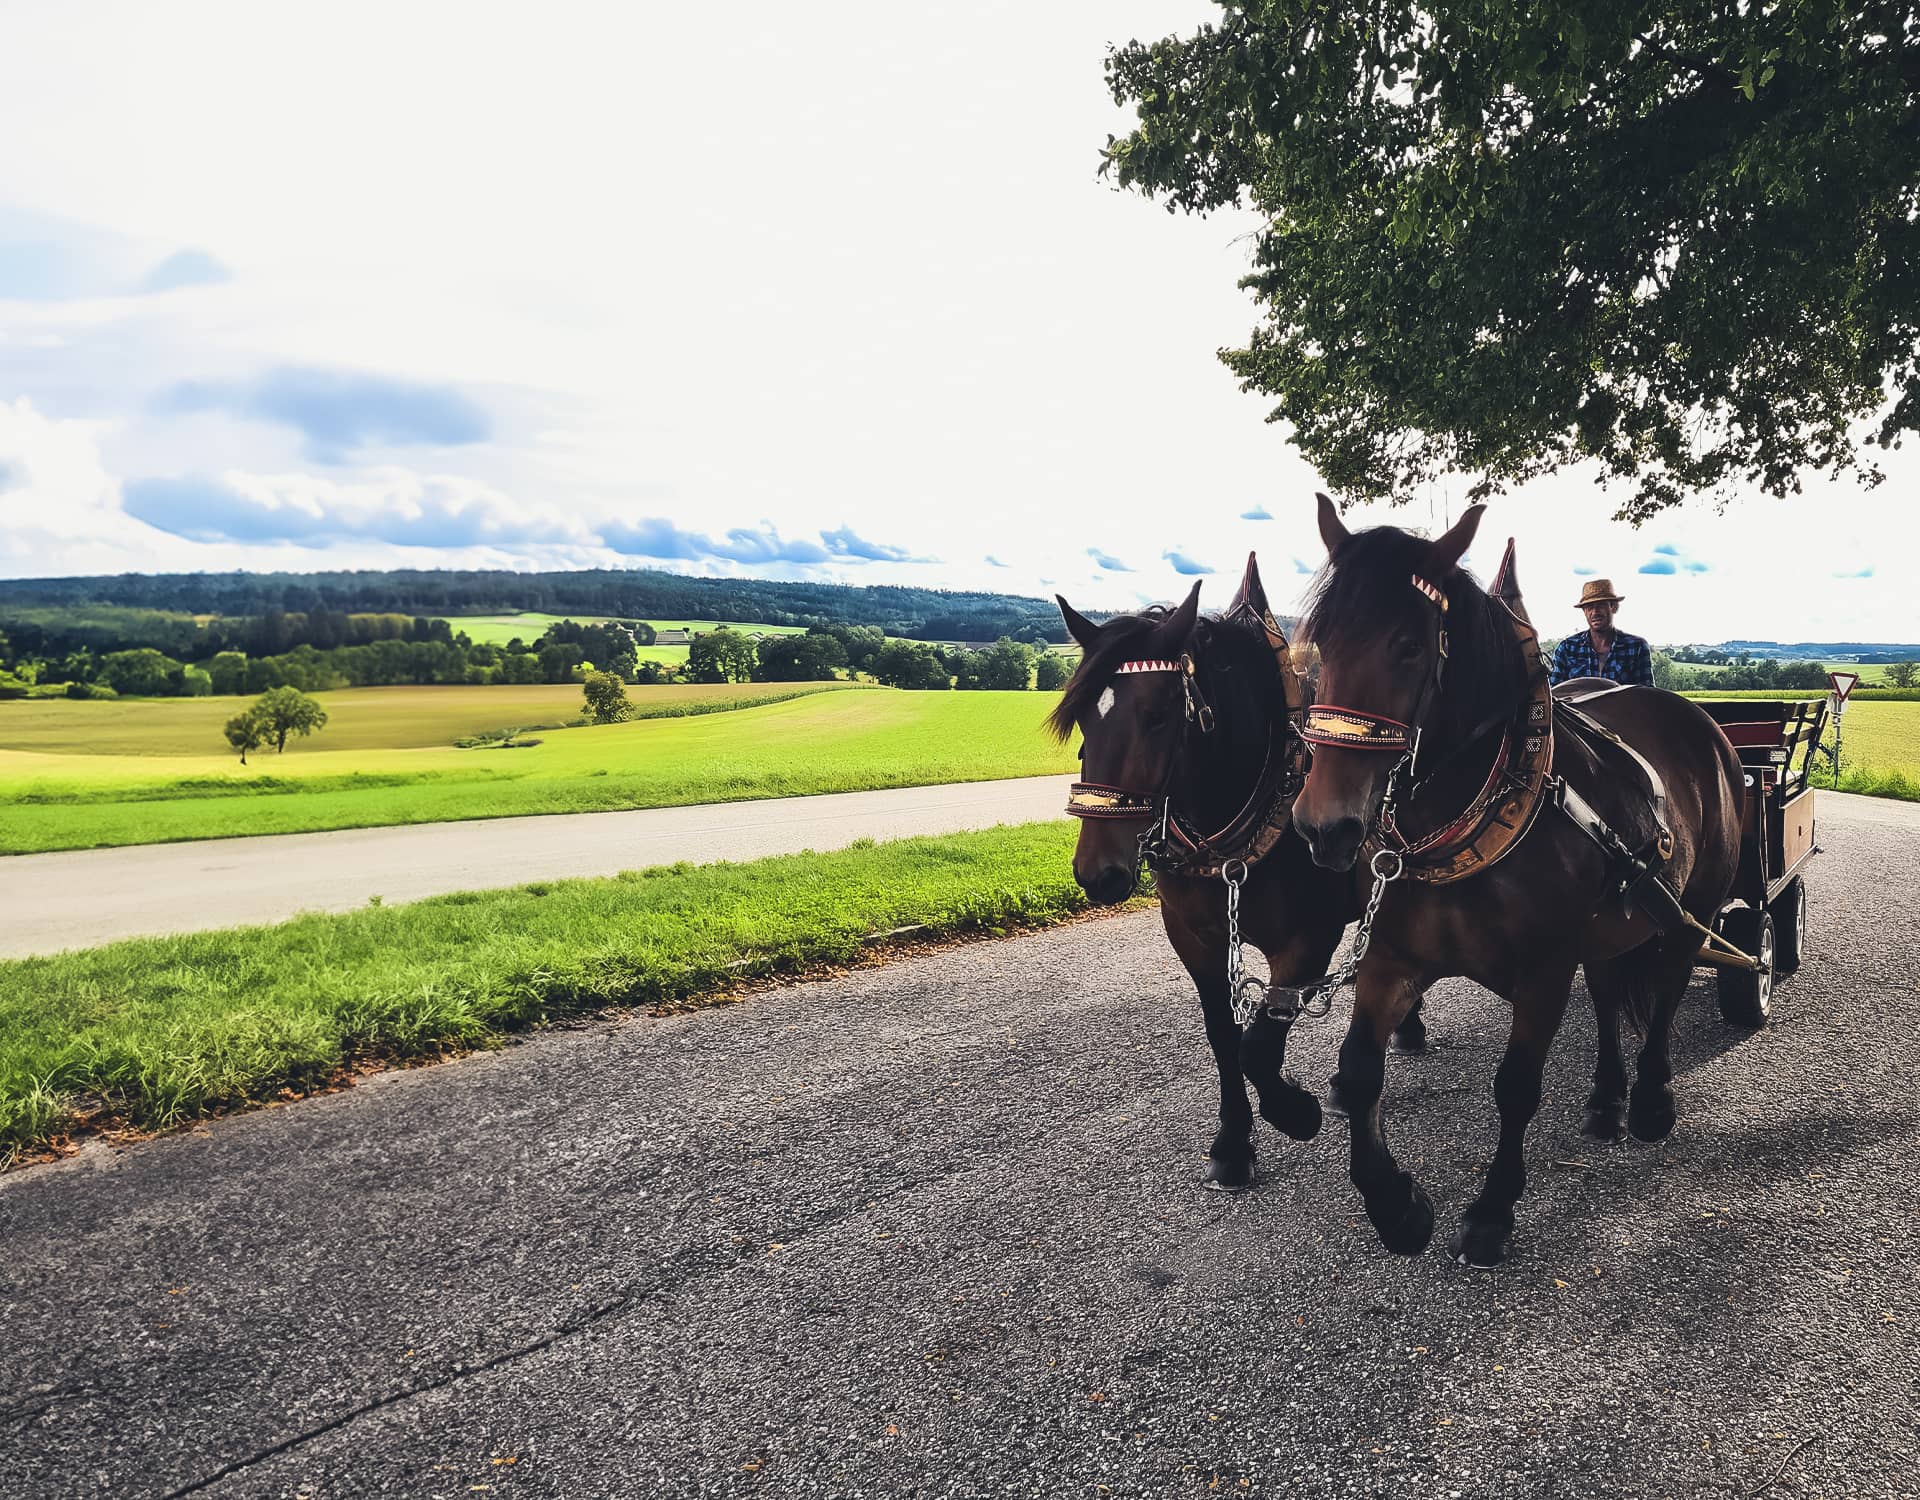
{"type": "Point", "coordinates": [1432, 729]}
{"type": "Point", "coordinates": [1184, 762]}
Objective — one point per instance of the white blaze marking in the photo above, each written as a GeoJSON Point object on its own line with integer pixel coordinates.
{"type": "Point", "coordinates": [1106, 702]}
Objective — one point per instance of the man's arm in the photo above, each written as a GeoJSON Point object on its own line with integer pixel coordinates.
{"type": "Point", "coordinates": [1561, 668]}
{"type": "Point", "coordinates": [1642, 673]}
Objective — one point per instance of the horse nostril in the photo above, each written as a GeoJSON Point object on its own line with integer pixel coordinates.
{"type": "Point", "coordinates": [1335, 844]}
{"type": "Point", "coordinates": [1110, 887]}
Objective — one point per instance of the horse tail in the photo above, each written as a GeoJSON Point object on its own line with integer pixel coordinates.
{"type": "Point", "coordinates": [1626, 982]}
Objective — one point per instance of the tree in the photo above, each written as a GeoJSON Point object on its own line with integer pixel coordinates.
{"type": "Point", "coordinates": [721, 655]}
{"type": "Point", "coordinates": [607, 701]}
{"type": "Point", "coordinates": [247, 730]}
{"type": "Point", "coordinates": [285, 711]}
{"type": "Point", "coordinates": [910, 664]}
{"type": "Point", "coordinates": [799, 658]}
{"type": "Point", "coordinates": [1051, 675]}
{"type": "Point", "coordinates": [1006, 666]}
{"type": "Point", "coordinates": [144, 673]}
{"type": "Point", "coordinates": [558, 661]}
{"type": "Point", "coordinates": [1671, 240]}
{"type": "Point", "coordinates": [228, 669]}
{"type": "Point", "coordinates": [1901, 674]}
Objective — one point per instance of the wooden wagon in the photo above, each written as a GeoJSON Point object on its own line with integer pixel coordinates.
{"type": "Point", "coordinates": [1766, 914]}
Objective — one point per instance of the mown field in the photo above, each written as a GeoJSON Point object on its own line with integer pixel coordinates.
{"type": "Point", "coordinates": [832, 741]}
{"type": "Point", "coordinates": [497, 630]}
{"type": "Point", "coordinates": [153, 1031]}
{"type": "Point", "coordinates": [381, 718]}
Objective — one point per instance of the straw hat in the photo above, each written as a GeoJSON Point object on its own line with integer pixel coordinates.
{"type": "Point", "coordinates": [1597, 591]}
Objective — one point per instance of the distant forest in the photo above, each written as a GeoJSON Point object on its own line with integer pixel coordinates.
{"type": "Point", "coordinates": [924, 614]}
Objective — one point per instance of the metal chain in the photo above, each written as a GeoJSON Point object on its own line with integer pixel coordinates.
{"type": "Point", "coordinates": [1246, 992]}
{"type": "Point", "coordinates": [1250, 995]}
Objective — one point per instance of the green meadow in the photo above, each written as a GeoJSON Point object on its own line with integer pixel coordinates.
{"type": "Point", "coordinates": [837, 740]}
{"type": "Point", "coordinates": [157, 1030]}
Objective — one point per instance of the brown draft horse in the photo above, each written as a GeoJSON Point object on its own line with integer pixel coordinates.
{"type": "Point", "coordinates": [1200, 756]}
{"type": "Point", "coordinates": [1409, 639]}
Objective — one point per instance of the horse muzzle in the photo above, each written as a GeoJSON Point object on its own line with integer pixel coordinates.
{"type": "Point", "coordinates": [1334, 845]}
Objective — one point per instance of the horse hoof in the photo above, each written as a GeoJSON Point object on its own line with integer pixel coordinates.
{"type": "Point", "coordinates": [1415, 1045]}
{"type": "Point", "coordinates": [1294, 1112]}
{"type": "Point", "coordinates": [1653, 1123]}
{"type": "Point", "coordinates": [1481, 1246]}
{"type": "Point", "coordinates": [1604, 1125]}
{"type": "Point", "coordinates": [1337, 1100]}
{"type": "Point", "coordinates": [1412, 1229]}
{"type": "Point", "coordinates": [1228, 1176]}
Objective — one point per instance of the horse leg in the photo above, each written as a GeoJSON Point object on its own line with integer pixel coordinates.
{"type": "Point", "coordinates": [1230, 1157]}
{"type": "Point", "coordinates": [1539, 1002]}
{"type": "Point", "coordinates": [1668, 971]}
{"type": "Point", "coordinates": [1284, 1105]}
{"type": "Point", "coordinates": [1410, 1036]}
{"type": "Point", "coordinates": [1607, 1104]}
{"type": "Point", "coordinates": [1401, 1212]}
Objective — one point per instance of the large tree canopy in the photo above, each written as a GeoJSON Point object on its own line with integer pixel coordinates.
{"type": "Point", "coordinates": [1676, 238]}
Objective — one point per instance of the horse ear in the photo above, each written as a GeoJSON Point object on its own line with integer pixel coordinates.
{"type": "Point", "coordinates": [1332, 530]}
{"type": "Point", "coordinates": [1079, 626]}
{"type": "Point", "coordinates": [1251, 600]}
{"type": "Point", "coordinates": [1179, 624]}
{"type": "Point", "coordinates": [1453, 546]}
{"type": "Point", "coordinates": [1506, 583]}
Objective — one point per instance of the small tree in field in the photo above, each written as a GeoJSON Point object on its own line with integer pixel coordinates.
{"type": "Point", "coordinates": [607, 698]}
{"type": "Point", "coordinates": [246, 731]}
{"type": "Point", "coordinates": [285, 711]}
{"type": "Point", "coordinates": [1052, 673]}
{"type": "Point", "coordinates": [1902, 673]}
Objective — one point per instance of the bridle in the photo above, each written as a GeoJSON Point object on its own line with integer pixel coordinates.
{"type": "Point", "coordinates": [1338, 728]}
{"type": "Point", "coordinates": [1093, 799]}
{"type": "Point", "coordinates": [1479, 835]}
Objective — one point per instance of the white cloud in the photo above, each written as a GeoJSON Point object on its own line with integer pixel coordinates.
{"type": "Point", "coordinates": [912, 341]}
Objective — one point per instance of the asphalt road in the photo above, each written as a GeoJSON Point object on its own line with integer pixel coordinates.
{"type": "Point", "coordinates": [78, 898]}
{"type": "Point", "coordinates": [937, 1229]}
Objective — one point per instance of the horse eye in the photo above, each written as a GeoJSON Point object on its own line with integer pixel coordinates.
{"type": "Point", "coordinates": [1405, 647]}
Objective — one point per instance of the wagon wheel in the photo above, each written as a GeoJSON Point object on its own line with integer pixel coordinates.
{"type": "Point", "coordinates": [1790, 926]}
{"type": "Point", "coordinates": [1746, 995]}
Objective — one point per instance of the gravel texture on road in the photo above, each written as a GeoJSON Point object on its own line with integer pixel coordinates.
{"type": "Point", "coordinates": [938, 1229]}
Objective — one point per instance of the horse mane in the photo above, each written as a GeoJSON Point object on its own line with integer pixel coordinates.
{"type": "Point", "coordinates": [1365, 591]}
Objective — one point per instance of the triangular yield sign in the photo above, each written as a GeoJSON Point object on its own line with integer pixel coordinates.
{"type": "Point", "coordinates": [1842, 683]}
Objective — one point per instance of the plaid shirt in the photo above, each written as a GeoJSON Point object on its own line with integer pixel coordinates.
{"type": "Point", "coordinates": [1628, 660]}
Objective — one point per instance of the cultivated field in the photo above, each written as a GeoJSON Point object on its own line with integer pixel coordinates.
{"type": "Point", "coordinates": [381, 718]}
{"type": "Point", "coordinates": [499, 629]}
{"type": "Point", "coordinates": [833, 741]}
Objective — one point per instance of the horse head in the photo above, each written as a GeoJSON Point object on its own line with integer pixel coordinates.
{"type": "Point", "coordinates": [1168, 704]}
{"type": "Point", "coordinates": [1382, 614]}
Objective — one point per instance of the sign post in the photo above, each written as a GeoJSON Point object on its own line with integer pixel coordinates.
{"type": "Point", "coordinates": [1842, 684]}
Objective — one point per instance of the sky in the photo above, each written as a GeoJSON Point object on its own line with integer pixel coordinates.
{"type": "Point", "coordinates": [831, 293]}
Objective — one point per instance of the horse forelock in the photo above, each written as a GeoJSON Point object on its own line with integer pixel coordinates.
{"type": "Point", "coordinates": [1141, 636]}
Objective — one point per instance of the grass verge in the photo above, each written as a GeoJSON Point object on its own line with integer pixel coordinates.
{"type": "Point", "coordinates": [158, 1030]}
